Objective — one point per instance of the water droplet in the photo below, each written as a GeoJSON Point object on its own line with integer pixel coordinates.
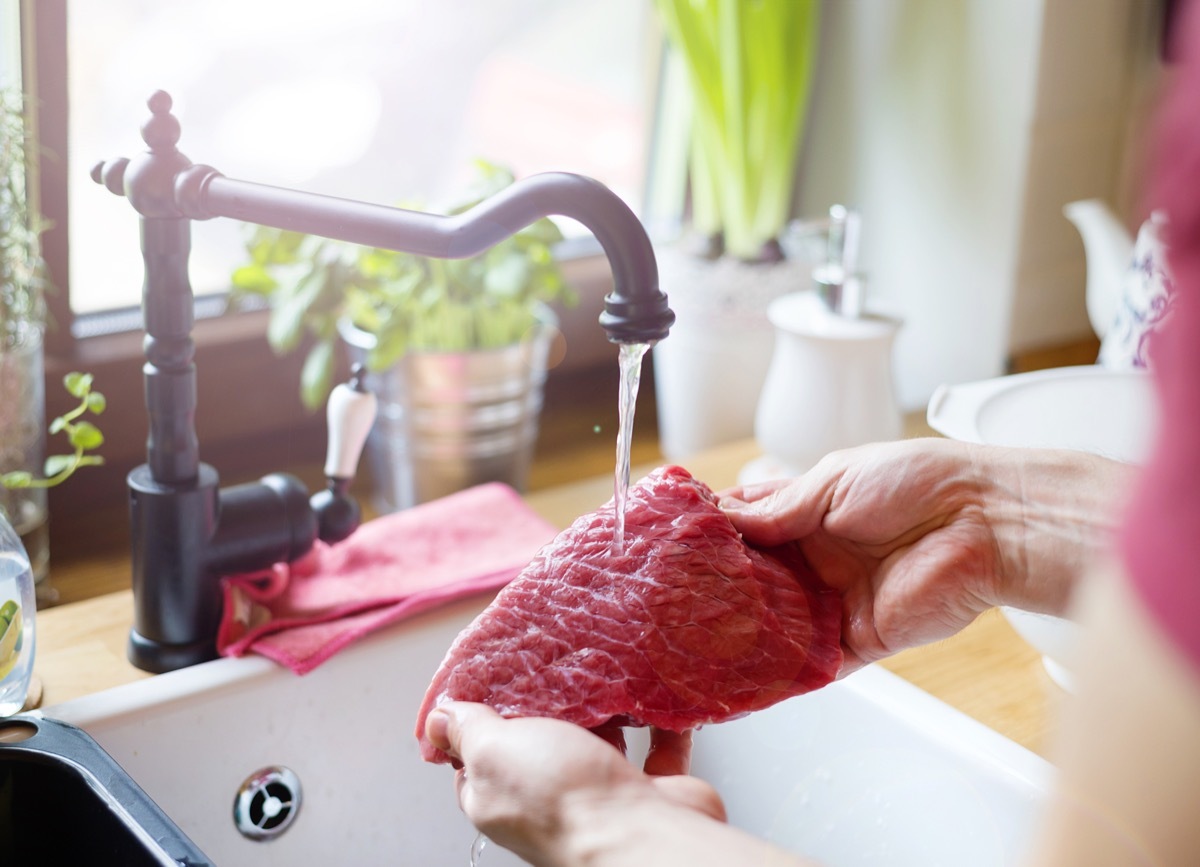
{"type": "Point", "coordinates": [477, 849]}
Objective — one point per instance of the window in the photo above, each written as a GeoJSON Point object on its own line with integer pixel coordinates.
{"type": "Point", "coordinates": [10, 46]}
{"type": "Point", "coordinates": [382, 100]}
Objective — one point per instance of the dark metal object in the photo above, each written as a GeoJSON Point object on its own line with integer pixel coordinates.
{"type": "Point", "coordinates": [186, 531]}
{"type": "Point", "coordinates": [68, 802]}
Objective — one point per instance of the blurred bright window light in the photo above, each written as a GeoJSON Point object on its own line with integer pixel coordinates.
{"type": "Point", "coordinates": [383, 100]}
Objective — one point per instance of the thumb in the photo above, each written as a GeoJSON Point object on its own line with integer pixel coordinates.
{"type": "Point", "coordinates": [786, 513]}
{"type": "Point", "coordinates": [450, 727]}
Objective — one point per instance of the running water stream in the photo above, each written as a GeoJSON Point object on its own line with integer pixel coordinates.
{"type": "Point", "coordinates": [631, 377]}
{"type": "Point", "coordinates": [630, 362]}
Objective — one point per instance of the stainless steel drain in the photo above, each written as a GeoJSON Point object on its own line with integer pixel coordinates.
{"type": "Point", "coordinates": [267, 803]}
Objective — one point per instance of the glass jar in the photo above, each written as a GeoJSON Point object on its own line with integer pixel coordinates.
{"type": "Point", "coordinates": [17, 610]}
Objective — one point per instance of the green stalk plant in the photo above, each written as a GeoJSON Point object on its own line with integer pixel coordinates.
{"type": "Point", "coordinates": [749, 66]}
{"type": "Point", "coordinates": [82, 434]}
{"type": "Point", "coordinates": [409, 303]}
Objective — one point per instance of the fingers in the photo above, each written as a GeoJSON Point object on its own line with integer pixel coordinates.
{"type": "Point", "coordinates": [780, 511]}
{"type": "Point", "coordinates": [614, 735]}
{"type": "Point", "coordinates": [518, 802]}
{"type": "Point", "coordinates": [668, 762]}
{"type": "Point", "coordinates": [750, 493]}
{"type": "Point", "coordinates": [456, 728]}
{"type": "Point", "coordinates": [670, 753]}
{"type": "Point", "coordinates": [851, 662]}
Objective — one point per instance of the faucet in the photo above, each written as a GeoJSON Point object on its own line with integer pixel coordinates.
{"type": "Point", "coordinates": [186, 530]}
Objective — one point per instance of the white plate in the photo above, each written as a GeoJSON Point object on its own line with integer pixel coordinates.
{"type": "Point", "coordinates": [1090, 408]}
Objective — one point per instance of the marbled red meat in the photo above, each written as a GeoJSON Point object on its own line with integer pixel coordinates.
{"type": "Point", "coordinates": [688, 625]}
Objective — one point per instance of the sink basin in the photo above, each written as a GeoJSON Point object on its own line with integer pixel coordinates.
{"type": "Point", "coordinates": [865, 771]}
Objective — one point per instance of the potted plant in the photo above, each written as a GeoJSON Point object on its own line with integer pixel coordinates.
{"type": "Point", "coordinates": [747, 67]}
{"type": "Point", "coordinates": [455, 350]}
{"type": "Point", "coordinates": [22, 325]}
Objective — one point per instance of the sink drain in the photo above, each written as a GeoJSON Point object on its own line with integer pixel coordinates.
{"type": "Point", "coordinates": [267, 803]}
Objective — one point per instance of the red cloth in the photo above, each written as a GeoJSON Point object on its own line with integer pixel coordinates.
{"type": "Point", "coordinates": [1160, 540]}
{"type": "Point", "coordinates": [391, 568]}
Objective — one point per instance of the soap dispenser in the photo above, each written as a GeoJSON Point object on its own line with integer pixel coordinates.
{"type": "Point", "coordinates": [17, 610]}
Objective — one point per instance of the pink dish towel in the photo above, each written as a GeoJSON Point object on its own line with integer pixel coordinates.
{"type": "Point", "coordinates": [393, 567]}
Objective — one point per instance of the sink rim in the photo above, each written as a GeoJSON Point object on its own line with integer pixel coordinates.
{"type": "Point", "coordinates": [133, 713]}
{"type": "Point", "coordinates": [900, 698]}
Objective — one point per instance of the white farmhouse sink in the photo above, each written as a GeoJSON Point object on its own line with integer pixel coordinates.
{"type": "Point", "coordinates": [866, 771]}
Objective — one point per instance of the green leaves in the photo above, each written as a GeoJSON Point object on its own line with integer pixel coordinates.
{"type": "Point", "coordinates": [409, 303]}
{"type": "Point", "coordinates": [749, 65]}
{"type": "Point", "coordinates": [83, 436]}
{"type": "Point", "coordinates": [316, 377]}
{"type": "Point", "coordinates": [17, 479]}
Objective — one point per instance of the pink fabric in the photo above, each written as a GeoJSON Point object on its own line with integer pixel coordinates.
{"type": "Point", "coordinates": [391, 568]}
{"type": "Point", "coordinates": [1160, 542]}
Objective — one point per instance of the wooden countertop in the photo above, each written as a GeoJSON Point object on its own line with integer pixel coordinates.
{"type": "Point", "coordinates": [986, 671]}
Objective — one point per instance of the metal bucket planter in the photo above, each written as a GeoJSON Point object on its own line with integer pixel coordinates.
{"type": "Point", "coordinates": [451, 420]}
{"type": "Point", "coordinates": [22, 447]}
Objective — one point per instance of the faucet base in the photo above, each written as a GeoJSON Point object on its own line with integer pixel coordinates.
{"type": "Point", "coordinates": [158, 658]}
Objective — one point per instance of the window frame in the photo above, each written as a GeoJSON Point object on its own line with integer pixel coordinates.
{"type": "Point", "coordinates": [116, 358]}
{"type": "Point", "coordinates": [244, 436]}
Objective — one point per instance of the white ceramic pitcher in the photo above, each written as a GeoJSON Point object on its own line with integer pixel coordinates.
{"type": "Point", "coordinates": [1108, 246]}
{"type": "Point", "coordinates": [829, 386]}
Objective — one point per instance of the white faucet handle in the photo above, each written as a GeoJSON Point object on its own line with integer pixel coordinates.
{"type": "Point", "coordinates": [350, 414]}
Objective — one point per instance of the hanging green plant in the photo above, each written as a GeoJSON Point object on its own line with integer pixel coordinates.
{"type": "Point", "coordinates": [82, 434]}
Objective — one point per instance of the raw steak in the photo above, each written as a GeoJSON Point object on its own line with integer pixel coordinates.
{"type": "Point", "coordinates": [689, 625]}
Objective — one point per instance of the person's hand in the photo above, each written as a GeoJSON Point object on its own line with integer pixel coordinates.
{"type": "Point", "coordinates": [535, 785]}
{"type": "Point", "coordinates": [921, 536]}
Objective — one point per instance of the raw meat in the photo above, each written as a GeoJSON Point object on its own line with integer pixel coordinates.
{"type": "Point", "coordinates": [688, 625]}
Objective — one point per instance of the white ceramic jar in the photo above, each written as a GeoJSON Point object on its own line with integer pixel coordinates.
{"type": "Point", "coordinates": [829, 385]}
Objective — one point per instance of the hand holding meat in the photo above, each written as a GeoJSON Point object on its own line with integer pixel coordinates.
{"type": "Point", "coordinates": [556, 794]}
{"type": "Point", "coordinates": [921, 536]}
{"type": "Point", "coordinates": [682, 626]}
